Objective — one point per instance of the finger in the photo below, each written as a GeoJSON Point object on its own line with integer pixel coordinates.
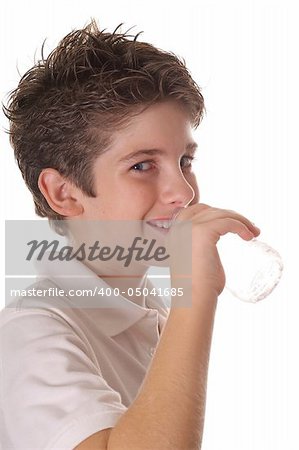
{"type": "Point", "coordinates": [213, 213]}
{"type": "Point", "coordinates": [244, 219]}
{"type": "Point", "coordinates": [202, 212]}
{"type": "Point", "coordinates": [222, 226]}
{"type": "Point", "coordinates": [189, 211]}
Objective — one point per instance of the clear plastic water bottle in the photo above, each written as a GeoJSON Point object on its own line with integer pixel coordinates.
{"type": "Point", "coordinates": [252, 268]}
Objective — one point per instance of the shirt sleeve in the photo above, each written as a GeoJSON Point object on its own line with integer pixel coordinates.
{"type": "Point", "coordinates": [53, 393]}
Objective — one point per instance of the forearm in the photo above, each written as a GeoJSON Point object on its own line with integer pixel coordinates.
{"type": "Point", "coordinates": [168, 413]}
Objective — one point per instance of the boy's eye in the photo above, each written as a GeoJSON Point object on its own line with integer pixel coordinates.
{"type": "Point", "coordinates": [145, 166]}
{"type": "Point", "coordinates": [141, 166]}
{"type": "Point", "coordinates": [188, 162]}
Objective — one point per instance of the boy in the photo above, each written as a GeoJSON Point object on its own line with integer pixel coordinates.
{"type": "Point", "coordinates": [102, 131]}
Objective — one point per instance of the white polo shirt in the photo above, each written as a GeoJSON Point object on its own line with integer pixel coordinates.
{"type": "Point", "coordinates": [68, 372]}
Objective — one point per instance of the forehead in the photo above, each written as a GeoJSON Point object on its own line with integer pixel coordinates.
{"type": "Point", "coordinates": [167, 109]}
{"type": "Point", "coordinates": [163, 120]}
{"type": "Point", "coordinates": [165, 126]}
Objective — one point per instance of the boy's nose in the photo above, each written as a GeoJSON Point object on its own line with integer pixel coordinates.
{"type": "Point", "coordinates": [177, 190]}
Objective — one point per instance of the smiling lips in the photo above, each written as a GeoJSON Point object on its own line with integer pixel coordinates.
{"type": "Point", "coordinates": [164, 223]}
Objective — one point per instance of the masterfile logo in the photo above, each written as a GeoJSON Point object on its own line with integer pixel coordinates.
{"type": "Point", "coordinates": [88, 252]}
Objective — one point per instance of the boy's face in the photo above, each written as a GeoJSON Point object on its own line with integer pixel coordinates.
{"type": "Point", "coordinates": [146, 186]}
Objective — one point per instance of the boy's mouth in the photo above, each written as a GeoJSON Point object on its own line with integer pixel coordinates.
{"type": "Point", "coordinates": [161, 225]}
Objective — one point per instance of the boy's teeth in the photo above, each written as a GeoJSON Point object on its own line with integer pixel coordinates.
{"type": "Point", "coordinates": [165, 224]}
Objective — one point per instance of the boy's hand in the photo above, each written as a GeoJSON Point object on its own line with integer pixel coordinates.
{"type": "Point", "coordinates": [208, 225]}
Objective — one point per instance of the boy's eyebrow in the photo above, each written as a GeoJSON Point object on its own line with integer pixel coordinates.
{"type": "Point", "coordinates": [192, 146]}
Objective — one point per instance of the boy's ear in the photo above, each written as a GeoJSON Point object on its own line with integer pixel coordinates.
{"type": "Point", "coordinates": [60, 193]}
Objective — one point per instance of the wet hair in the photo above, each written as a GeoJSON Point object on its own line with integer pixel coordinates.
{"type": "Point", "coordinates": [66, 107]}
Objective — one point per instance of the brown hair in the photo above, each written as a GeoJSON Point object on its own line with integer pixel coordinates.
{"type": "Point", "coordinates": [64, 111]}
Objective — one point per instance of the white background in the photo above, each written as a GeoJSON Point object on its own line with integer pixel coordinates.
{"type": "Point", "coordinates": [244, 55]}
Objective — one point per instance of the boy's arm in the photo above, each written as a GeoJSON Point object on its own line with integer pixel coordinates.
{"type": "Point", "coordinates": [168, 412]}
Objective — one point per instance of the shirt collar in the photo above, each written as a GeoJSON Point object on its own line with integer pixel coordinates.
{"type": "Point", "coordinates": [115, 313]}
